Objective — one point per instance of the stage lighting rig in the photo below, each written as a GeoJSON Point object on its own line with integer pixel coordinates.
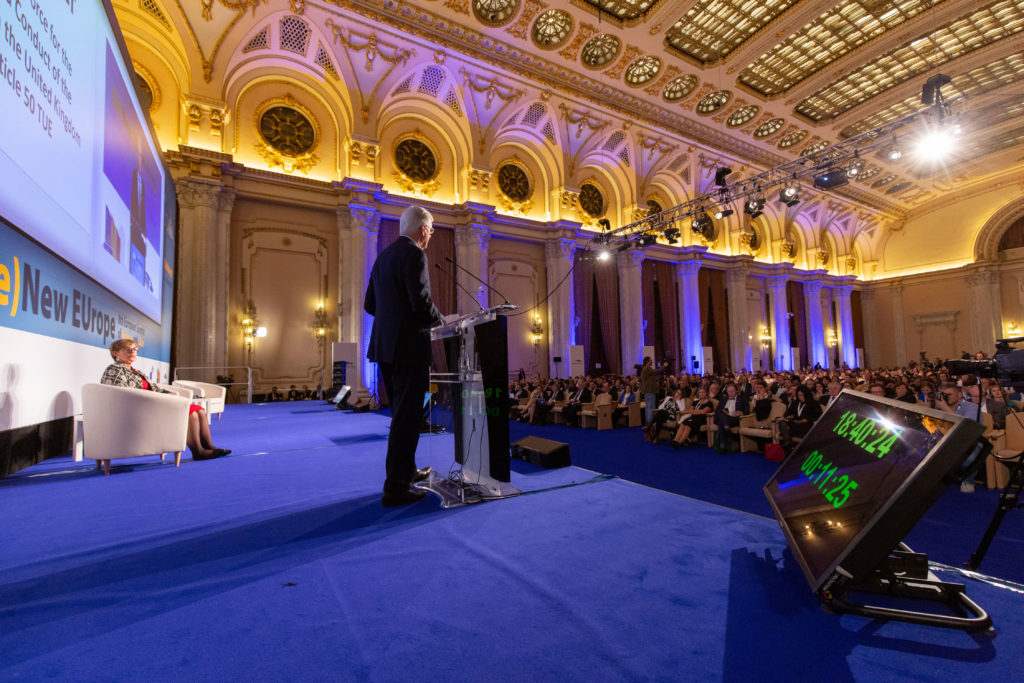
{"type": "Point", "coordinates": [754, 207]}
{"type": "Point", "coordinates": [723, 213]}
{"type": "Point", "coordinates": [831, 179]}
{"type": "Point", "coordinates": [648, 240]}
{"type": "Point", "coordinates": [720, 175]}
{"type": "Point", "coordinates": [789, 195]}
{"type": "Point", "coordinates": [606, 225]}
{"type": "Point", "coordinates": [671, 235]}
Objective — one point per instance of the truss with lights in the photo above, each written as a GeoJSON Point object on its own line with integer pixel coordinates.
{"type": "Point", "coordinates": [828, 169]}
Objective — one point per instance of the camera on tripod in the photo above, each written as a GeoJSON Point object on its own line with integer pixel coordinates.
{"type": "Point", "coordinates": [1007, 367]}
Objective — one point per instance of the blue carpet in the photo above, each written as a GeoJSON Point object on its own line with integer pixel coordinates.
{"type": "Point", "coordinates": [278, 563]}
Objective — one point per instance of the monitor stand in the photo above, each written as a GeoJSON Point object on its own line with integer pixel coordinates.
{"type": "Point", "coordinates": [905, 575]}
{"type": "Point", "coordinates": [455, 493]}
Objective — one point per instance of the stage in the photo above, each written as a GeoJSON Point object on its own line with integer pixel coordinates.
{"type": "Point", "coordinates": [278, 563]}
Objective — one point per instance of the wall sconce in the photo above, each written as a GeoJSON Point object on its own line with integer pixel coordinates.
{"type": "Point", "coordinates": [766, 337]}
{"type": "Point", "coordinates": [320, 323]}
{"type": "Point", "coordinates": [1012, 329]}
{"type": "Point", "coordinates": [832, 339]}
{"type": "Point", "coordinates": [251, 329]}
{"type": "Point", "coordinates": [536, 330]}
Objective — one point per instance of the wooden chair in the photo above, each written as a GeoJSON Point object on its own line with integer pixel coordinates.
{"type": "Point", "coordinates": [597, 414]}
{"type": "Point", "coordinates": [709, 426]}
{"type": "Point", "coordinates": [1006, 444]}
{"type": "Point", "coordinates": [556, 412]}
{"type": "Point", "coordinates": [751, 428]}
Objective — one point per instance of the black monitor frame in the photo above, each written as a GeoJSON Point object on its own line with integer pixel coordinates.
{"type": "Point", "coordinates": [887, 521]}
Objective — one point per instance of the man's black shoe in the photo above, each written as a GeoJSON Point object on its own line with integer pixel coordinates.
{"type": "Point", "coordinates": [399, 498]}
{"type": "Point", "coordinates": [421, 475]}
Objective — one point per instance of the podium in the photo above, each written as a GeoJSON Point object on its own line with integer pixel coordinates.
{"type": "Point", "coordinates": [476, 346]}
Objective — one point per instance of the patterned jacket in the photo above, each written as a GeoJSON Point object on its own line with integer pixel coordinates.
{"type": "Point", "coordinates": [119, 375]}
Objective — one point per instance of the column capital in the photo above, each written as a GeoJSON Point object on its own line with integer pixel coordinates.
{"type": "Point", "coordinates": [226, 199]}
{"type": "Point", "coordinates": [560, 248]}
{"type": "Point", "coordinates": [686, 268]}
{"type": "Point", "coordinates": [630, 259]}
{"type": "Point", "coordinates": [776, 281]}
{"type": "Point", "coordinates": [473, 234]}
{"type": "Point", "coordinates": [843, 291]}
{"type": "Point", "coordinates": [813, 287]}
{"type": "Point", "coordinates": [364, 217]}
{"type": "Point", "coordinates": [736, 276]}
{"type": "Point", "coordinates": [192, 193]}
{"type": "Point", "coordinates": [982, 278]}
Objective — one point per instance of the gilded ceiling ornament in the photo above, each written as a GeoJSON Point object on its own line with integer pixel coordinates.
{"type": "Point", "coordinates": [552, 29]}
{"type": "Point", "coordinates": [580, 119]}
{"type": "Point", "coordinates": [417, 164]}
{"type": "Point", "coordinates": [515, 187]}
{"type": "Point", "coordinates": [788, 250]}
{"type": "Point", "coordinates": [233, 5]}
{"type": "Point", "coordinates": [287, 134]}
{"type": "Point", "coordinates": [298, 6]}
{"type": "Point", "coordinates": [239, 6]}
{"type": "Point", "coordinates": [851, 264]}
{"type": "Point", "coordinates": [151, 83]}
{"type": "Point", "coordinates": [628, 55]}
{"type": "Point", "coordinates": [492, 87]}
{"type": "Point", "coordinates": [572, 50]}
{"type": "Point", "coordinates": [658, 85]}
{"type": "Point", "coordinates": [655, 145]}
{"type": "Point", "coordinates": [354, 41]}
{"type": "Point", "coordinates": [521, 26]}
{"type": "Point", "coordinates": [495, 12]}
{"type": "Point", "coordinates": [459, 6]}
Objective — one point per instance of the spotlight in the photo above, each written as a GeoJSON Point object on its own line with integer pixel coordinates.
{"type": "Point", "coordinates": [894, 154]}
{"type": "Point", "coordinates": [720, 175]}
{"type": "Point", "coordinates": [754, 207]}
{"type": "Point", "coordinates": [603, 255]}
{"type": "Point", "coordinates": [935, 145]}
{"type": "Point", "coordinates": [648, 240]}
{"type": "Point", "coordinates": [700, 223]}
{"type": "Point", "coordinates": [624, 246]}
{"type": "Point", "coordinates": [789, 196]}
{"type": "Point", "coordinates": [852, 171]}
{"type": "Point", "coordinates": [831, 179]}
{"type": "Point", "coordinates": [671, 235]}
{"type": "Point", "coordinates": [723, 213]}
{"type": "Point", "coordinates": [605, 224]}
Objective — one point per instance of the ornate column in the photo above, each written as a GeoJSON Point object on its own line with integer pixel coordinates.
{"type": "Point", "coordinates": [225, 205]}
{"type": "Point", "coordinates": [986, 310]}
{"type": "Point", "coordinates": [739, 323]}
{"type": "Point", "coordinates": [358, 225]}
{"type": "Point", "coordinates": [631, 335]}
{"type": "Point", "coordinates": [781, 344]}
{"type": "Point", "coordinates": [899, 330]}
{"type": "Point", "coordinates": [815, 331]}
{"type": "Point", "coordinates": [559, 256]}
{"type": "Point", "coordinates": [690, 343]}
{"type": "Point", "coordinates": [198, 312]}
{"type": "Point", "coordinates": [869, 321]}
{"type": "Point", "coordinates": [847, 346]}
{"type": "Point", "coordinates": [471, 242]}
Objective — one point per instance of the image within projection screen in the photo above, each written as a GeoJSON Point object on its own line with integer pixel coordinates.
{"type": "Point", "coordinates": [81, 172]}
{"type": "Point", "coordinates": [861, 478]}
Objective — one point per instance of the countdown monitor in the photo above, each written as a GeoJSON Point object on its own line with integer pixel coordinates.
{"type": "Point", "coordinates": [854, 487]}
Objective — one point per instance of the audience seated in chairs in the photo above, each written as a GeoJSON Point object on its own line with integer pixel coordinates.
{"type": "Point", "coordinates": [666, 411]}
{"type": "Point", "coordinates": [690, 423]}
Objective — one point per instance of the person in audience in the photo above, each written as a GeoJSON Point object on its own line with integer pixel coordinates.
{"type": "Point", "coordinates": [953, 401]}
{"type": "Point", "coordinates": [294, 394]}
{"type": "Point", "coordinates": [997, 407]}
{"type": "Point", "coordinates": [903, 393]}
{"type": "Point", "coordinates": [833, 393]}
{"type": "Point", "coordinates": [648, 388]}
{"type": "Point", "coordinates": [801, 414]}
{"type": "Point", "coordinates": [534, 410]}
{"type": "Point", "coordinates": [696, 417]}
{"type": "Point", "coordinates": [274, 395]}
{"type": "Point", "coordinates": [571, 411]}
{"type": "Point", "coordinates": [727, 415]}
{"type": "Point", "coordinates": [626, 396]}
{"type": "Point", "coordinates": [667, 410]}
{"type": "Point", "coordinates": [120, 373]}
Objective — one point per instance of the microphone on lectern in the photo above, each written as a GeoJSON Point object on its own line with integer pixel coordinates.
{"type": "Point", "coordinates": [452, 275]}
{"type": "Point", "coordinates": [470, 273]}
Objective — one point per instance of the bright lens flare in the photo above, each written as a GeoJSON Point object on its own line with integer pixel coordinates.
{"type": "Point", "coordinates": [603, 255]}
{"type": "Point", "coordinates": [936, 145]}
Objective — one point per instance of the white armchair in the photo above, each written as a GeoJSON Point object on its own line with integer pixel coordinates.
{"type": "Point", "coordinates": [119, 422]}
{"type": "Point", "coordinates": [184, 392]}
{"type": "Point", "coordinates": [213, 393]}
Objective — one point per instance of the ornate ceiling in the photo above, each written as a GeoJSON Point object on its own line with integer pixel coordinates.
{"type": "Point", "coordinates": [763, 81]}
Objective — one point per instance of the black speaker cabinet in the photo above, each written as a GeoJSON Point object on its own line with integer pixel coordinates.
{"type": "Point", "coordinates": [544, 452]}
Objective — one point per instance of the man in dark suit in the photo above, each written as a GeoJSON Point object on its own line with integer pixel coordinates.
{"type": "Point", "coordinates": [727, 415]}
{"type": "Point", "coordinates": [398, 298]}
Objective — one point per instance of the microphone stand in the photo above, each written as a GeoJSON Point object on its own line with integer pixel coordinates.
{"type": "Point", "coordinates": [470, 273]}
{"type": "Point", "coordinates": [456, 283]}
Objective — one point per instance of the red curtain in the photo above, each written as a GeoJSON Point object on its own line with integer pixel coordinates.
{"type": "Point", "coordinates": [667, 293]}
{"type": "Point", "coordinates": [386, 234]}
{"type": "Point", "coordinates": [714, 316]}
{"type": "Point", "coordinates": [583, 299]}
{"type": "Point", "coordinates": [648, 269]}
{"type": "Point", "coordinates": [607, 277]}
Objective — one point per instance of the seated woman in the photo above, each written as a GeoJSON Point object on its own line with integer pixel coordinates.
{"type": "Point", "coordinates": [670, 405]}
{"type": "Point", "coordinates": [801, 414]}
{"type": "Point", "coordinates": [535, 406]}
{"type": "Point", "coordinates": [702, 406]}
{"type": "Point", "coordinates": [120, 373]}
